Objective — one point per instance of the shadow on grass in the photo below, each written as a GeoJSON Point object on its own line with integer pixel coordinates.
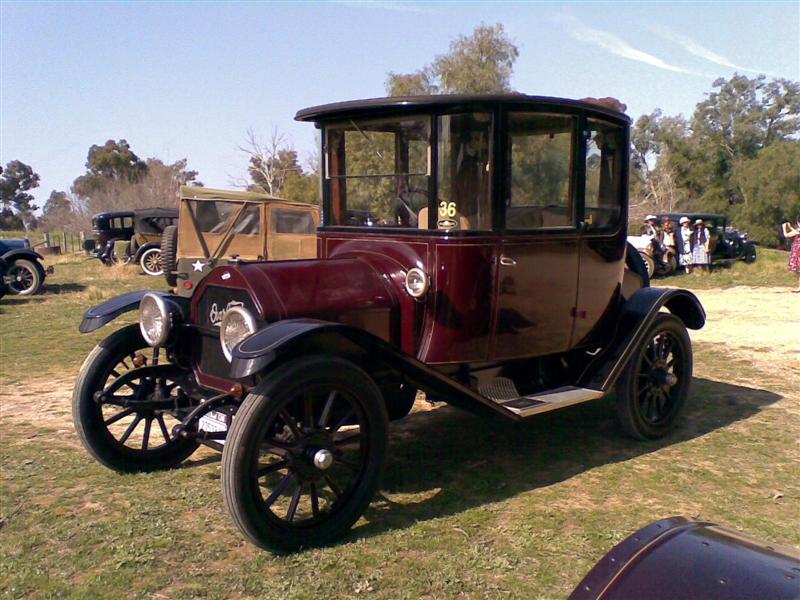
{"type": "Point", "coordinates": [463, 461]}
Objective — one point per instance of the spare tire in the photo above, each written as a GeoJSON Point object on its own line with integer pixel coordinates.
{"type": "Point", "coordinates": [169, 254]}
{"type": "Point", "coordinates": [635, 262]}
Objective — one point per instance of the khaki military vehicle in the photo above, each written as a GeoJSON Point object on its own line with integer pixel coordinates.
{"type": "Point", "coordinates": [217, 227]}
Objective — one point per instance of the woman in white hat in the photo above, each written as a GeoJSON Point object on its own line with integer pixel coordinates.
{"type": "Point", "coordinates": [683, 243]}
{"type": "Point", "coordinates": [700, 241]}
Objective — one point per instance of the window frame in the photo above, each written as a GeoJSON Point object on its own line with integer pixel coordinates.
{"type": "Point", "coordinates": [578, 182]}
{"type": "Point", "coordinates": [433, 180]}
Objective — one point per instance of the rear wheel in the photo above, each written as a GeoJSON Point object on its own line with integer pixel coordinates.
{"type": "Point", "coordinates": [399, 399]}
{"type": "Point", "coordinates": [304, 454]}
{"type": "Point", "coordinates": [150, 261]}
{"type": "Point", "coordinates": [652, 389]}
{"type": "Point", "coordinates": [26, 278]}
{"type": "Point", "coordinates": [750, 253]}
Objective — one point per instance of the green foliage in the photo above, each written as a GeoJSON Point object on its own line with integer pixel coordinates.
{"type": "Point", "coordinates": [15, 181]}
{"type": "Point", "coordinates": [770, 185]}
{"type": "Point", "coordinates": [113, 161]}
{"type": "Point", "coordinates": [480, 63]}
{"type": "Point", "coordinates": [736, 155]}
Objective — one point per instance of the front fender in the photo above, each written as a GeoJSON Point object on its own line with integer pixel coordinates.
{"type": "Point", "coordinates": [104, 313]}
{"type": "Point", "coordinates": [637, 314]}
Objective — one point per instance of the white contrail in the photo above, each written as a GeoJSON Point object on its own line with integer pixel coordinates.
{"type": "Point", "coordinates": [618, 46]}
{"type": "Point", "coordinates": [699, 50]}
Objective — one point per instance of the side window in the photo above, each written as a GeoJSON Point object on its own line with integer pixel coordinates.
{"type": "Point", "coordinates": [292, 221]}
{"type": "Point", "coordinates": [605, 154]}
{"type": "Point", "coordinates": [127, 222]}
{"type": "Point", "coordinates": [464, 174]}
{"type": "Point", "coordinates": [540, 151]}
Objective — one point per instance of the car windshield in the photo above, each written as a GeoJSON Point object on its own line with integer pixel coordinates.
{"type": "Point", "coordinates": [378, 171]}
{"type": "Point", "coordinates": [215, 216]}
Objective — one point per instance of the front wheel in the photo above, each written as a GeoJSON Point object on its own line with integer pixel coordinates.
{"type": "Point", "coordinates": [150, 261]}
{"type": "Point", "coordinates": [304, 454]}
{"type": "Point", "coordinates": [653, 388]}
{"type": "Point", "coordinates": [750, 253]}
{"type": "Point", "coordinates": [649, 263]}
{"type": "Point", "coordinates": [124, 408]}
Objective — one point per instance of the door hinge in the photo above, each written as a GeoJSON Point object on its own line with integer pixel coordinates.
{"type": "Point", "coordinates": [579, 313]}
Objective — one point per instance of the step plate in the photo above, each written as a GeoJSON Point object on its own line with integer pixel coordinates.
{"type": "Point", "coordinates": [535, 404]}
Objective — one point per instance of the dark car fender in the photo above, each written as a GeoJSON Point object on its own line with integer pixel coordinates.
{"type": "Point", "coordinates": [288, 338]}
{"type": "Point", "coordinates": [104, 313]}
{"type": "Point", "coordinates": [686, 558]}
{"type": "Point", "coordinates": [23, 253]}
{"type": "Point", "coordinates": [637, 314]}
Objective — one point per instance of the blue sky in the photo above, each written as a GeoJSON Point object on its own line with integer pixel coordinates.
{"type": "Point", "coordinates": [188, 79]}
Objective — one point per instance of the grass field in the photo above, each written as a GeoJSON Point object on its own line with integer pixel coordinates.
{"type": "Point", "coordinates": [467, 508]}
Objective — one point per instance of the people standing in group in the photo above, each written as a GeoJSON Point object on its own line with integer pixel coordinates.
{"type": "Point", "coordinates": [650, 227]}
{"type": "Point", "coordinates": [793, 234]}
{"type": "Point", "coordinates": [683, 243]}
{"type": "Point", "coordinates": [668, 238]}
{"type": "Point", "coordinates": [700, 242]}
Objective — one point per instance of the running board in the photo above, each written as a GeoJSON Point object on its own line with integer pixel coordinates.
{"type": "Point", "coordinates": [527, 406]}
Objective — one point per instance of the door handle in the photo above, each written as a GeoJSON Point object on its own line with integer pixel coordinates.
{"type": "Point", "coordinates": [508, 262]}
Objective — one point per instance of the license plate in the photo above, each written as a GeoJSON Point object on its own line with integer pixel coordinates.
{"type": "Point", "coordinates": [214, 421]}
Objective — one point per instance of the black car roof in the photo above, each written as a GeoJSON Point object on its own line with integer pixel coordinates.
{"type": "Point", "coordinates": [420, 103]}
{"type": "Point", "coordinates": [112, 214]}
{"type": "Point", "coordinates": [705, 216]}
{"type": "Point", "coordinates": [155, 212]}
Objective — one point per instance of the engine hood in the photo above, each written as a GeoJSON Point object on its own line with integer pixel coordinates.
{"type": "Point", "coordinates": [345, 290]}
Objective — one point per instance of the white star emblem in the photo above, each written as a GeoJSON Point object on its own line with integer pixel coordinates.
{"type": "Point", "coordinates": [198, 266]}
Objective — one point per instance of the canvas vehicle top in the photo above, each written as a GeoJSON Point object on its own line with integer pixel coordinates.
{"type": "Point", "coordinates": [217, 226]}
{"type": "Point", "coordinates": [472, 247]}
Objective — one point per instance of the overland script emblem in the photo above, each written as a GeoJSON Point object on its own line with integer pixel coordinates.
{"type": "Point", "coordinates": [215, 315]}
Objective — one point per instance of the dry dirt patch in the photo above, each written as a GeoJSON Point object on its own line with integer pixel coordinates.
{"type": "Point", "coordinates": [758, 324]}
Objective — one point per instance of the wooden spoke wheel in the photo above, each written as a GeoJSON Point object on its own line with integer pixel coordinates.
{"type": "Point", "coordinates": [653, 388]}
{"type": "Point", "coordinates": [304, 454]}
{"type": "Point", "coordinates": [125, 405]}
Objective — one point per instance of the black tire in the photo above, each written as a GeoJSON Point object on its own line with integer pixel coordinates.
{"type": "Point", "coordinates": [648, 400]}
{"type": "Point", "coordinates": [399, 399]}
{"type": "Point", "coordinates": [300, 409]}
{"type": "Point", "coordinates": [750, 253]}
{"type": "Point", "coordinates": [169, 254]}
{"type": "Point", "coordinates": [26, 276]}
{"type": "Point", "coordinates": [650, 265]}
{"type": "Point", "coordinates": [99, 435]}
{"type": "Point", "coordinates": [672, 264]}
{"type": "Point", "coordinates": [150, 262]}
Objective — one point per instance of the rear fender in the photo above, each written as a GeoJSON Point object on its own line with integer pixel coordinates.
{"type": "Point", "coordinates": [22, 253]}
{"type": "Point", "coordinates": [286, 339]}
{"type": "Point", "coordinates": [104, 313]}
{"type": "Point", "coordinates": [141, 250]}
{"type": "Point", "coordinates": [638, 313]}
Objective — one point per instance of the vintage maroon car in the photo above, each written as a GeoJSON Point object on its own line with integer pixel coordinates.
{"type": "Point", "coordinates": [472, 247]}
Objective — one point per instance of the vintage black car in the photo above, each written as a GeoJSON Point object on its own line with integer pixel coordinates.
{"type": "Point", "coordinates": [131, 236]}
{"type": "Point", "coordinates": [727, 243]}
{"type": "Point", "coordinates": [23, 272]}
{"type": "Point", "coordinates": [495, 276]}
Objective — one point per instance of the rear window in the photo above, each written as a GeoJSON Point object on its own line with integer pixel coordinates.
{"type": "Point", "coordinates": [292, 221]}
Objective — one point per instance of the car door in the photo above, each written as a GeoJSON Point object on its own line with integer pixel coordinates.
{"type": "Point", "coordinates": [602, 217]}
{"type": "Point", "coordinates": [538, 252]}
